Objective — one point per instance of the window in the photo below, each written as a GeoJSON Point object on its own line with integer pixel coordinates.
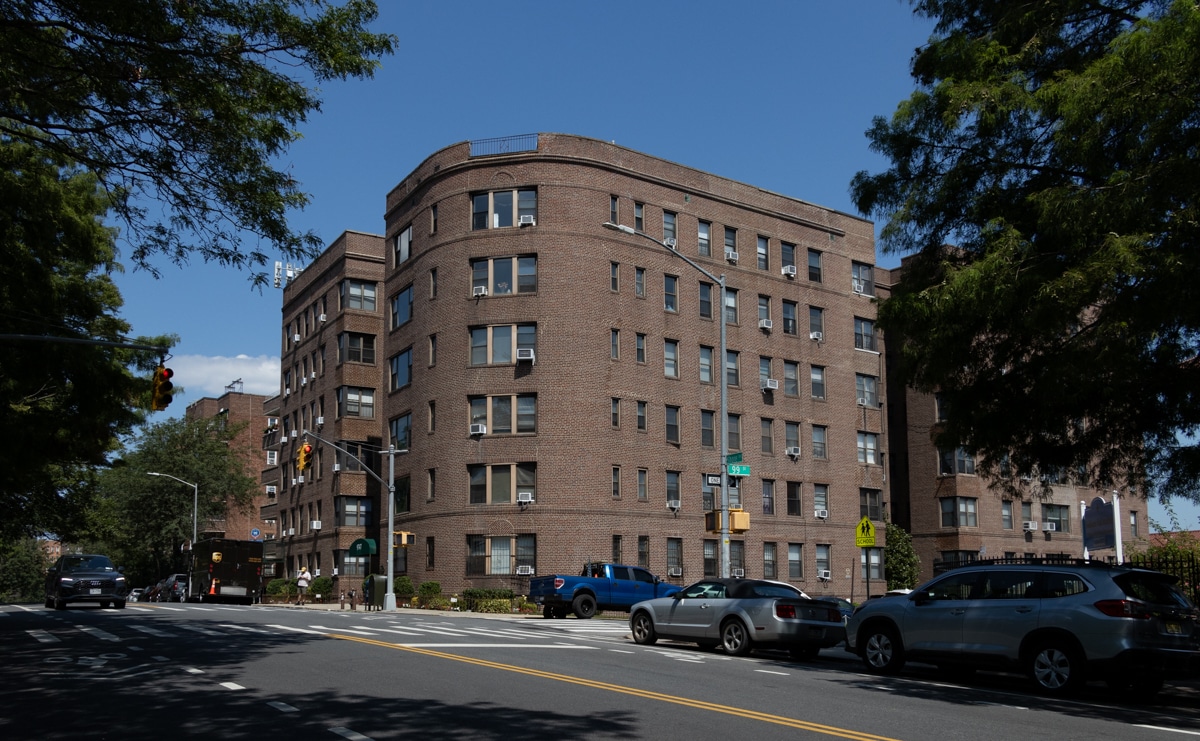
{"type": "Point", "coordinates": [357, 452]}
{"type": "Point", "coordinates": [616, 549]}
{"type": "Point", "coordinates": [764, 307]}
{"type": "Point", "coordinates": [868, 448]}
{"type": "Point", "coordinates": [502, 208]}
{"type": "Point", "coordinates": [671, 358]}
{"type": "Point", "coordinates": [791, 435]}
{"type": "Point", "coordinates": [819, 433]}
{"type": "Point", "coordinates": [1006, 514]}
{"type": "Point", "coordinates": [430, 484]}
{"type": "Point", "coordinates": [710, 557]}
{"type": "Point", "coordinates": [762, 253]}
{"type": "Point", "coordinates": [731, 368]}
{"type": "Point", "coordinates": [708, 433]}
{"type": "Point", "coordinates": [1057, 514]}
{"type": "Point", "coordinates": [356, 402]}
{"type": "Point", "coordinates": [671, 293]}
{"type": "Point", "coordinates": [870, 504]}
{"type": "Point", "coordinates": [871, 560]}
{"type": "Point", "coordinates": [790, 325]}
{"type": "Point", "coordinates": [500, 554]}
{"type": "Point", "coordinates": [787, 254]}
{"type": "Point", "coordinates": [735, 432]}
{"type": "Point", "coordinates": [401, 431]}
{"type": "Point", "coordinates": [959, 512]}
{"type": "Point", "coordinates": [640, 348]}
{"type": "Point", "coordinates": [505, 414]}
{"type": "Point", "coordinates": [614, 342]}
{"type": "Point", "coordinates": [817, 376]}
{"type": "Point", "coordinates": [708, 494]}
{"type": "Point", "coordinates": [673, 486]}
{"type": "Point", "coordinates": [641, 416]}
{"type": "Point", "coordinates": [353, 511]}
{"type": "Point", "coordinates": [816, 321]}
{"type": "Point", "coordinates": [814, 266]}
{"type": "Point", "coordinates": [672, 420]}
{"type": "Point", "coordinates": [432, 350]}
{"type": "Point", "coordinates": [639, 216]}
{"type": "Point", "coordinates": [357, 294]}
{"type": "Point", "coordinates": [823, 558]}
{"type": "Point", "coordinates": [401, 370]}
{"type": "Point", "coordinates": [737, 555]}
{"type": "Point", "coordinates": [432, 415]}
{"type": "Point", "coordinates": [614, 273]}
{"type": "Point", "coordinates": [639, 282]}
{"type": "Point", "coordinates": [1133, 524]}
{"type": "Point", "coordinates": [402, 246]}
{"type": "Point", "coordinates": [862, 278]}
{"type": "Point", "coordinates": [768, 497]}
{"type": "Point", "coordinates": [730, 239]}
{"type": "Point", "coordinates": [351, 565]}
{"type": "Point", "coordinates": [867, 389]}
{"type": "Point", "coordinates": [674, 554]}
{"type": "Point", "coordinates": [497, 483]}
{"type": "Point", "coordinates": [272, 457]}
{"type": "Point", "coordinates": [821, 496]}
{"type": "Point", "coordinates": [668, 225]}
{"type": "Point", "coordinates": [644, 551]}
{"type": "Point", "coordinates": [616, 412]}
{"type": "Point", "coordinates": [497, 345]}
{"type": "Point", "coordinates": [433, 224]}
{"type": "Point", "coordinates": [704, 239]}
{"type": "Point", "coordinates": [433, 283]}
{"type": "Point", "coordinates": [612, 216]}
{"type": "Point", "coordinates": [795, 499]}
{"type": "Point", "coordinates": [356, 348]}
{"type": "Point", "coordinates": [795, 560]}
{"type": "Point", "coordinates": [766, 435]}
{"type": "Point", "coordinates": [731, 306]}
{"type": "Point", "coordinates": [706, 364]}
{"type": "Point", "coordinates": [706, 300]}
{"type": "Point", "coordinates": [642, 484]}
{"type": "Point", "coordinates": [429, 551]}
{"type": "Point", "coordinates": [864, 334]}
{"type": "Point", "coordinates": [951, 462]}
{"type": "Point", "coordinates": [502, 276]}
{"type": "Point", "coordinates": [770, 570]}
{"type": "Point", "coordinates": [616, 482]}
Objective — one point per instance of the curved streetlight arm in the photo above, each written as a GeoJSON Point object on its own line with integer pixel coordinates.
{"type": "Point", "coordinates": [195, 499]}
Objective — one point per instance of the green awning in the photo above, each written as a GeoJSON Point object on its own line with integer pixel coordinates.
{"type": "Point", "coordinates": [363, 547]}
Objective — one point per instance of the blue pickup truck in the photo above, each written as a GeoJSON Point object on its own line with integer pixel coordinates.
{"type": "Point", "coordinates": [599, 586]}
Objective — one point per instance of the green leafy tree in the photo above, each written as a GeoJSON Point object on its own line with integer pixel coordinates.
{"type": "Point", "coordinates": [900, 562]}
{"type": "Point", "coordinates": [23, 566]}
{"type": "Point", "coordinates": [64, 404]}
{"type": "Point", "coordinates": [1054, 145]}
{"type": "Point", "coordinates": [186, 105]}
{"type": "Point", "coordinates": [142, 521]}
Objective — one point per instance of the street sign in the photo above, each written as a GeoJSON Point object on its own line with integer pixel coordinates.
{"type": "Point", "coordinates": [255, 533]}
{"type": "Point", "coordinates": [864, 535]}
{"type": "Point", "coordinates": [738, 470]}
{"type": "Point", "coordinates": [712, 479]}
{"type": "Point", "coordinates": [733, 458]}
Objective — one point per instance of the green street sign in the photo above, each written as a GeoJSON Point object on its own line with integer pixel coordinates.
{"type": "Point", "coordinates": [733, 458]}
{"type": "Point", "coordinates": [738, 470]}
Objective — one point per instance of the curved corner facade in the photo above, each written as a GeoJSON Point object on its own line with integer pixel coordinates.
{"type": "Point", "coordinates": [556, 383]}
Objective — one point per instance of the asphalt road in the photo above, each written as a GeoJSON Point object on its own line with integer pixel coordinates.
{"type": "Point", "coordinates": [229, 672]}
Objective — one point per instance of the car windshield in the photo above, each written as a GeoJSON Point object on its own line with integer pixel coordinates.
{"type": "Point", "coordinates": [766, 589]}
{"type": "Point", "coordinates": [1157, 589]}
{"type": "Point", "coordinates": [87, 563]}
{"type": "Point", "coordinates": [706, 590]}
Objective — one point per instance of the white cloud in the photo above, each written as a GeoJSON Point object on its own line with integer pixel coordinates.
{"type": "Point", "coordinates": [203, 375]}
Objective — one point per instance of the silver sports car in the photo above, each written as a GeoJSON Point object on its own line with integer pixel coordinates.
{"type": "Point", "coordinates": [740, 615]}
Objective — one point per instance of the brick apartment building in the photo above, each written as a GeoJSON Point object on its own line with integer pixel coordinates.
{"type": "Point", "coordinates": [555, 383]}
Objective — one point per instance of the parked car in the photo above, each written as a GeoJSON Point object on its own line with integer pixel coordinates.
{"type": "Point", "coordinates": [135, 594]}
{"type": "Point", "coordinates": [740, 615]}
{"type": "Point", "coordinates": [174, 589]}
{"type": "Point", "coordinates": [84, 578]}
{"type": "Point", "coordinates": [599, 586]}
{"type": "Point", "coordinates": [1062, 623]}
{"type": "Point", "coordinates": [845, 606]}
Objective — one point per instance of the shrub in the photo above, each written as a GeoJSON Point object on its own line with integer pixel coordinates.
{"type": "Point", "coordinates": [428, 591]}
{"type": "Point", "coordinates": [323, 586]}
{"type": "Point", "coordinates": [436, 602]}
{"type": "Point", "coordinates": [473, 597]}
{"type": "Point", "coordinates": [403, 588]}
{"type": "Point", "coordinates": [281, 588]}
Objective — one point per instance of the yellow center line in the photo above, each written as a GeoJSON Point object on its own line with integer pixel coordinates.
{"type": "Point", "coordinates": [646, 694]}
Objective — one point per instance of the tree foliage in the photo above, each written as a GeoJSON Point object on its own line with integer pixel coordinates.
{"type": "Point", "coordinates": [62, 405]}
{"type": "Point", "coordinates": [186, 105]}
{"type": "Point", "coordinates": [142, 521]}
{"type": "Point", "coordinates": [900, 563]}
{"type": "Point", "coordinates": [1054, 144]}
{"type": "Point", "coordinates": [23, 567]}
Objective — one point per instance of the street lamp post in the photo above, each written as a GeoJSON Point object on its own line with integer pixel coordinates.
{"type": "Point", "coordinates": [195, 498]}
{"type": "Point", "coordinates": [721, 366]}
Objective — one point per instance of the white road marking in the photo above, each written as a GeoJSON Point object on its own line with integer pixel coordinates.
{"type": "Point", "coordinates": [298, 630]}
{"type": "Point", "coordinates": [347, 733]}
{"type": "Point", "coordinates": [101, 634]}
{"type": "Point", "coordinates": [232, 686]}
{"type": "Point", "coordinates": [152, 631]}
{"type": "Point", "coordinates": [43, 636]}
{"type": "Point", "coordinates": [497, 645]}
{"type": "Point", "coordinates": [203, 631]}
{"type": "Point", "coordinates": [764, 671]}
{"type": "Point", "coordinates": [1165, 728]}
{"type": "Point", "coordinates": [246, 628]}
{"type": "Point", "coordinates": [193, 670]}
{"type": "Point", "coordinates": [283, 707]}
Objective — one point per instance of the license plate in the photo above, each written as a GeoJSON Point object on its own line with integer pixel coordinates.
{"type": "Point", "coordinates": [1174, 629]}
{"type": "Point", "coordinates": [94, 591]}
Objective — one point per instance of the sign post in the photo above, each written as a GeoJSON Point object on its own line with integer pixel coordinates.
{"type": "Point", "coordinates": [864, 537]}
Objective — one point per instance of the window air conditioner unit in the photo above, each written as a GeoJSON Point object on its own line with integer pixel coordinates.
{"type": "Point", "coordinates": [478, 291]}
{"type": "Point", "coordinates": [862, 402]}
{"type": "Point", "coordinates": [524, 571]}
{"type": "Point", "coordinates": [769, 384]}
{"type": "Point", "coordinates": [789, 271]}
{"type": "Point", "coordinates": [337, 467]}
{"type": "Point", "coordinates": [524, 497]}
{"type": "Point", "coordinates": [815, 336]}
{"type": "Point", "coordinates": [1050, 527]}
{"type": "Point", "coordinates": [673, 505]}
{"type": "Point", "coordinates": [821, 514]}
{"type": "Point", "coordinates": [739, 573]}
{"type": "Point", "coordinates": [524, 353]}
{"type": "Point", "coordinates": [793, 451]}
{"type": "Point", "coordinates": [675, 571]}
{"type": "Point", "coordinates": [293, 481]}
{"type": "Point", "coordinates": [315, 525]}
{"type": "Point", "coordinates": [287, 392]}
{"type": "Point", "coordinates": [321, 318]}
{"type": "Point", "coordinates": [478, 429]}
{"type": "Point", "coordinates": [526, 220]}
{"type": "Point", "coordinates": [300, 479]}
{"type": "Point", "coordinates": [271, 489]}
{"type": "Point", "coordinates": [320, 421]}
{"type": "Point", "coordinates": [670, 243]}
{"type": "Point", "coordinates": [824, 575]}
{"type": "Point", "coordinates": [314, 375]}
{"type": "Point", "coordinates": [765, 324]}
{"type": "Point", "coordinates": [303, 380]}
{"type": "Point", "coordinates": [296, 337]}
{"type": "Point", "coordinates": [731, 256]}
{"type": "Point", "coordinates": [1030, 525]}
{"type": "Point", "coordinates": [291, 531]}
{"type": "Point", "coordinates": [859, 286]}
{"type": "Point", "coordinates": [294, 434]}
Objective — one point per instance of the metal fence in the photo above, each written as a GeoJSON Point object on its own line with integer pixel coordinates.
{"type": "Point", "coordinates": [504, 145]}
{"type": "Point", "coordinates": [1183, 565]}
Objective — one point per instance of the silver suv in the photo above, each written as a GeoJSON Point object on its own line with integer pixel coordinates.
{"type": "Point", "coordinates": [1060, 623]}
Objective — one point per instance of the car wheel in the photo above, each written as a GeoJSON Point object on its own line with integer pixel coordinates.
{"type": "Point", "coordinates": [59, 604]}
{"type": "Point", "coordinates": [548, 612]}
{"type": "Point", "coordinates": [882, 651]}
{"type": "Point", "coordinates": [584, 606]}
{"type": "Point", "coordinates": [735, 638]}
{"type": "Point", "coordinates": [803, 653]}
{"type": "Point", "coordinates": [49, 601]}
{"type": "Point", "coordinates": [105, 605]}
{"type": "Point", "coordinates": [643, 629]}
{"type": "Point", "coordinates": [560, 612]}
{"type": "Point", "coordinates": [119, 604]}
{"type": "Point", "coordinates": [1057, 667]}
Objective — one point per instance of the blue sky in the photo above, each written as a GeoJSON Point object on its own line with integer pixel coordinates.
{"type": "Point", "coordinates": [774, 93]}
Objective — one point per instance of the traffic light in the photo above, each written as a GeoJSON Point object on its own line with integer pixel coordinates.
{"type": "Point", "coordinates": [304, 457]}
{"type": "Point", "coordinates": [160, 391]}
{"type": "Point", "coordinates": [403, 538]}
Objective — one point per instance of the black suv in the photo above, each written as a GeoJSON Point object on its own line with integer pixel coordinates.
{"type": "Point", "coordinates": [84, 578]}
{"type": "Point", "coordinates": [1061, 623]}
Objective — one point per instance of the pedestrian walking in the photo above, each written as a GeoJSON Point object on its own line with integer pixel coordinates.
{"type": "Point", "coordinates": [302, 584]}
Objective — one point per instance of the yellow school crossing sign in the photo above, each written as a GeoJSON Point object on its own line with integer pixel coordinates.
{"type": "Point", "coordinates": [864, 536]}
